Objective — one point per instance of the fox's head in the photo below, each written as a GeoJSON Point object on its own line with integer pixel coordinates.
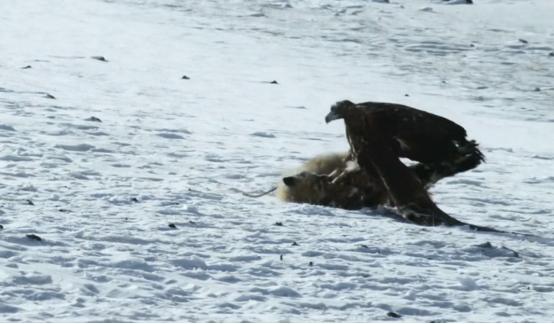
{"type": "Point", "coordinates": [307, 187]}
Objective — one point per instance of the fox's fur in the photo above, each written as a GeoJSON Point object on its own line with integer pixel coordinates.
{"type": "Point", "coordinates": [332, 180]}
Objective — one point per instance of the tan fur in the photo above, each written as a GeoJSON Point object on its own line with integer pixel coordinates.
{"type": "Point", "coordinates": [311, 189]}
{"type": "Point", "coordinates": [322, 164]}
{"type": "Point", "coordinates": [332, 181]}
{"type": "Point", "coordinates": [325, 163]}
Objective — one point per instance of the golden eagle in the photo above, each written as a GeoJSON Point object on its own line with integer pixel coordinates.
{"type": "Point", "coordinates": [380, 133]}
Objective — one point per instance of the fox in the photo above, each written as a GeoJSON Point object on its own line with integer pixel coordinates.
{"type": "Point", "coordinates": [336, 180]}
{"type": "Point", "coordinates": [332, 180]}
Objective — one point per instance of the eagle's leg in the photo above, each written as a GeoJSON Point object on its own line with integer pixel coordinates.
{"type": "Point", "coordinates": [426, 173]}
{"type": "Point", "coordinates": [404, 188]}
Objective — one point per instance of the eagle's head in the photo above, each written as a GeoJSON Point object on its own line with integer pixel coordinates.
{"type": "Point", "coordinates": [338, 110]}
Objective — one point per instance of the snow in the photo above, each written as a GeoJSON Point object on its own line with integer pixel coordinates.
{"type": "Point", "coordinates": [104, 144]}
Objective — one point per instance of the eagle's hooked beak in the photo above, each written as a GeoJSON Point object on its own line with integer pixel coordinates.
{"type": "Point", "coordinates": [332, 115]}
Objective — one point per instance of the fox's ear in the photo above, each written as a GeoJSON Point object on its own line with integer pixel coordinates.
{"type": "Point", "coordinates": [289, 181]}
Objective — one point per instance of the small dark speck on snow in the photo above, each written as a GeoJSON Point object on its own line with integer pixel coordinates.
{"type": "Point", "coordinates": [49, 96]}
{"type": "Point", "coordinates": [263, 134]}
{"type": "Point", "coordinates": [170, 136]}
{"type": "Point", "coordinates": [393, 314]}
{"type": "Point", "coordinates": [26, 67]}
{"type": "Point", "coordinates": [94, 119]}
{"type": "Point", "coordinates": [278, 224]}
{"type": "Point", "coordinates": [99, 58]}
{"type": "Point", "coordinates": [523, 41]}
{"type": "Point", "coordinates": [294, 243]}
{"type": "Point", "coordinates": [311, 264]}
{"type": "Point", "coordinates": [184, 77]}
{"type": "Point", "coordinates": [63, 210]}
{"type": "Point", "coordinates": [171, 225]}
{"type": "Point", "coordinates": [135, 200]}
{"type": "Point", "coordinates": [30, 202]}
{"type": "Point", "coordinates": [34, 237]}
{"type": "Point", "coordinates": [1, 227]}
{"type": "Point", "coordinates": [551, 54]}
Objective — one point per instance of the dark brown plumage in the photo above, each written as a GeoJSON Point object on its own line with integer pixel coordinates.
{"type": "Point", "coordinates": [380, 133]}
{"type": "Point", "coordinates": [412, 133]}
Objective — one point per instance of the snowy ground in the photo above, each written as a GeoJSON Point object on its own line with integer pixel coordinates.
{"type": "Point", "coordinates": [171, 151]}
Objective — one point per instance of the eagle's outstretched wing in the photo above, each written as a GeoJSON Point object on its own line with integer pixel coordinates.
{"type": "Point", "coordinates": [413, 133]}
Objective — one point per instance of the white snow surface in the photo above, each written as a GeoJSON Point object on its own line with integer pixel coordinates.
{"type": "Point", "coordinates": [167, 150]}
